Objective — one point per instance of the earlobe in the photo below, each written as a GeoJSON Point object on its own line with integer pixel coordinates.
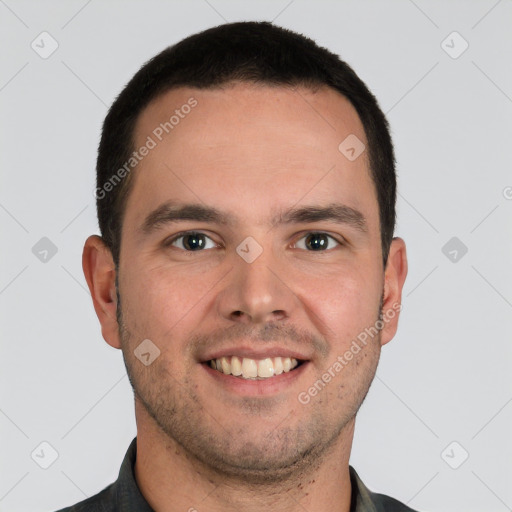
{"type": "Point", "coordinates": [100, 274]}
{"type": "Point", "coordinates": [394, 279]}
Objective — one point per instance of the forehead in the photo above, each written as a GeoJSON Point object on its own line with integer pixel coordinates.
{"type": "Point", "coordinates": [269, 144]}
{"type": "Point", "coordinates": [309, 115]}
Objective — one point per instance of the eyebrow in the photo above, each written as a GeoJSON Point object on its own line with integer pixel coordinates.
{"type": "Point", "coordinates": [171, 212]}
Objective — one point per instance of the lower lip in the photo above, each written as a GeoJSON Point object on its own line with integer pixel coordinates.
{"type": "Point", "coordinates": [248, 387]}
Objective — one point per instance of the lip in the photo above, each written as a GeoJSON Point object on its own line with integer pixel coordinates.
{"type": "Point", "coordinates": [264, 387]}
{"type": "Point", "coordinates": [252, 353]}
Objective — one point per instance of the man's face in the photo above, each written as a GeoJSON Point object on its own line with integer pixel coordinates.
{"type": "Point", "coordinates": [253, 154]}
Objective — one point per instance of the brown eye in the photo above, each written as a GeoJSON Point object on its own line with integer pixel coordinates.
{"type": "Point", "coordinates": [317, 242]}
{"type": "Point", "coordinates": [192, 241]}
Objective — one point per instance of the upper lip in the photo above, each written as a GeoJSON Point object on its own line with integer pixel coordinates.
{"type": "Point", "coordinates": [254, 353]}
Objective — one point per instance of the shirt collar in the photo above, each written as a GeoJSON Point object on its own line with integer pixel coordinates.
{"type": "Point", "coordinates": [127, 493]}
{"type": "Point", "coordinates": [130, 499]}
{"type": "Point", "coordinates": [362, 498]}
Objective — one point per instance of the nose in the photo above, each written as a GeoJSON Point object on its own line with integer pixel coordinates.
{"type": "Point", "coordinates": [257, 292]}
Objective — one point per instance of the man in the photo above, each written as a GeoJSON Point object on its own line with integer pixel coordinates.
{"type": "Point", "coordinates": [248, 272]}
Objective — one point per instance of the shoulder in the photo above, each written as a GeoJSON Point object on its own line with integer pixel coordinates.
{"type": "Point", "coordinates": [364, 500]}
{"type": "Point", "coordinates": [385, 503]}
{"type": "Point", "coordinates": [104, 501]}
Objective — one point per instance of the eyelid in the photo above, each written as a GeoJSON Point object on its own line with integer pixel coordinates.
{"type": "Point", "coordinates": [340, 241]}
{"type": "Point", "coordinates": [303, 234]}
{"type": "Point", "coordinates": [170, 240]}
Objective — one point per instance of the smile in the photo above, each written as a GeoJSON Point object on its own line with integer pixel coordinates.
{"type": "Point", "coordinates": [254, 369]}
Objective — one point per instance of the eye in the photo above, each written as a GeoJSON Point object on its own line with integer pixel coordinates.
{"type": "Point", "coordinates": [316, 242]}
{"type": "Point", "coordinates": [191, 241]}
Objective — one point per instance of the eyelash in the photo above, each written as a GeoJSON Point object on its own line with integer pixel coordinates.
{"type": "Point", "coordinates": [169, 242]}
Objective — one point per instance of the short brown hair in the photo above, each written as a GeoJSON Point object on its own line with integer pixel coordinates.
{"type": "Point", "coordinates": [256, 52]}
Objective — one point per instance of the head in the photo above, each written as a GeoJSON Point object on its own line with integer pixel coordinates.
{"type": "Point", "coordinates": [289, 249]}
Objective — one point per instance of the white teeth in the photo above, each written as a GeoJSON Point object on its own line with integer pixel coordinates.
{"type": "Point", "coordinates": [278, 365]}
{"type": "Point", "coordinates": [265, 368]}
{"type": "Point", "coordinates": [236, 366]}
{"type": "Point", "coordinates": [251, 368]}
{"type": "Point", "coordinates": [226, 367]}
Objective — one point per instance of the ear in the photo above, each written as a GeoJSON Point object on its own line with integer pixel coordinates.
{"type": "Point", "coordinates": [394, 278]}
{"type": "Point", "coordinates": [100, 274]}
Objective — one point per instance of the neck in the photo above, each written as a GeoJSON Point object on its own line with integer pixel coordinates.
{"type": "Point", "coordinates": [171, 479]}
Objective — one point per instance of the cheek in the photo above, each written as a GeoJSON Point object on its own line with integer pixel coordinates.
{"type": "Point", "coordinates": [159, 303]}
{"type": "Point", "coordinates": [343, 303]}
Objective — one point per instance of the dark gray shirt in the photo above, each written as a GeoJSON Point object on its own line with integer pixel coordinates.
{"type": "Point", "coordinates": [124, 495]}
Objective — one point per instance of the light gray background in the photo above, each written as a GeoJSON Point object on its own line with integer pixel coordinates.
{"type": "Point", "coordinates": [445, 377]}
